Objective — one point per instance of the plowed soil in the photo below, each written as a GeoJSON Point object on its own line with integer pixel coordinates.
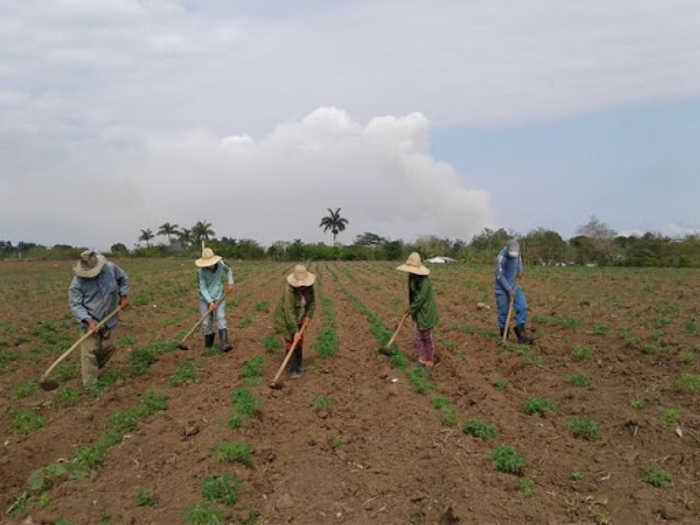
{"type": "Point", "coordinates": [381, 452]}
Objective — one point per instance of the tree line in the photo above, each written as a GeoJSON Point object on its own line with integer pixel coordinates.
{"type": "Point", "coordinates": [594, 243]}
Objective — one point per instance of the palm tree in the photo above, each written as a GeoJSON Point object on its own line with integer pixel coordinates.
{"type": "Point", "coordinates": [202, 231]}
{"type": "Point", "coordinates": [333, 222]}
{"type": "Point", "coordinates": [146, 235]}
{"type": "Point", "coordinates": [185, 236]}
{"type": "Point", "coordinates": [168, 229]}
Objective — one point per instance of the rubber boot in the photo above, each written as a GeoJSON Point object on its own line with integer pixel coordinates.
{"type": "Point", "coordinates": [501, 329]}
{"type": "Point", "coordinates": [522, 338]}
{"type": "Point", "coordinates": [224, 345]}
{"type": "Point", "coordinates": [294, 366]}
{"type": "Point", "coordinates": [208, 340]}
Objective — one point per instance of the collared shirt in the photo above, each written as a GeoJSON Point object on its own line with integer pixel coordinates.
{"type": "Point", "coordinates": [210, 286]}
{"type": "Point", "coordinates": [422, 301]}
{"type": "Point", "coordinates": [506, 270]}
{"type": "Point", "coordinates": [98, 296]}
{"type": "Point", "coordinates": [295, 304]}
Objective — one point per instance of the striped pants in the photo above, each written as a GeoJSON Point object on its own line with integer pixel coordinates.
{"type": "Point", "coordinates": [425, 345]}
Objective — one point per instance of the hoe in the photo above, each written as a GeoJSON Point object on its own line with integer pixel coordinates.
{"type": "Point", "coordinates": [386, 349]}
{"type": "Point", "coordinates": [275, 382]}
{"type": "Point", "coordinates": [51, 384]}
{"type": "Point", "coordinates": [181, 345]}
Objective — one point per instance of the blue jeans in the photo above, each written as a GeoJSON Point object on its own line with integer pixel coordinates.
{"type": "Point", "coordinates": [519, 305]}
{"type": "Point", "coordinates": [220, 316]}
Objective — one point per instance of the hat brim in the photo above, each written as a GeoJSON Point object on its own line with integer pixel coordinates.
{"type": "Point", "coordinates": [204, 263]}
{"type": "Point", "coordinates": [310, 280]}
{"type": "Point", "coordinates": [89, 273]}
{"type": "Point", "coordinates": [415, 270]}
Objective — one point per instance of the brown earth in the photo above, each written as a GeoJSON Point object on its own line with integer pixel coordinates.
{"type": "Point", "coordinates": [398, 463]}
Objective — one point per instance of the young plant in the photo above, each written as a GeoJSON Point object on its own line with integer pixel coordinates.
{"type": "Point", "coordinates": [234, 452]}
{"type": "Point", "coordinates": [25, 423]}
{"type": "Point", "coordinates": [66, 397]}
{"type": "Point", "coordinates": [484, 430]}
{"type": "Point", "coordinates": [140, 361]}
{"type": "Point", "coordinates": [508, 459]}
{"type": "Point", "coordinates": [245, 407]}
{"type": "Point", "coordinates": [657, 477]}
{"type": "Point", "coordinates": [222, 489]}
{"type": "Point", "coordinates": [337, 441]}
{"type": "Point", "coordinates": [420, 381]}
{"type": "Point", "coordinates": [581, 352]}
{"type": "Point", "coordinates": [500, 384]}
{"type": "Point", "coordinates": [322, 404]}
{"type": "Point", "coordinates": [670, 416]}
{"type": "Point", "coordinates": [145, 499]}
{"type": "Point", "coordinates": [526, 486]}
{"type": "Point", "coordinates": [261, 306]}
{"type": "Point", "coordinates": [538, 405]}
{"type": "Point", "coordinates": [186, 371]}
{"type": "Point", "coordinates": [203, 514]}
{"type": "Point", "coordinates": [689, 383]}
{"type": "Point", "coordinates": [272, 343]}
{"type": "Point", "coordinates": [580, 380]}
{"type": "Point", "coordinates": [584, 427]}
{"type": "Point", "coordinates": [253, 368]}
{"type": "Point", "coordinates": [26, 389]}
{"type": "Point", "coordinates": [638, 403]}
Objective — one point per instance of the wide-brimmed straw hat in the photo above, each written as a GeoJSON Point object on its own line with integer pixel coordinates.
{"type": "Point", "coordinates": [301, 277]}
{"type": "Point", "coordinates": [90, 264]}
{"type": "Point", "coordinates": [207, 259]}
{"type": "Point", "coordinates": [414, 265]}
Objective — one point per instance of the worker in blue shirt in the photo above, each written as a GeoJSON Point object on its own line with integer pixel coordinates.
{"type": "Point", "coordinates": [508, 269]}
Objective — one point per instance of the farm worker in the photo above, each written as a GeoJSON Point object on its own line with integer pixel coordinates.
{"type": "Point", "coordinates": [294, 311]}
{"type": "Point", "coordinates": [211, 291]}
{"type": "Point", "coordinates": [509, 267]}
{"type": "Point", "coordinates": [95, 291]}
{"type": "Point", "coordinates": [422, 308]}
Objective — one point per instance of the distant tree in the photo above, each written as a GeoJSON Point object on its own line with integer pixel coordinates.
{"type": "Point", "coordinates": [146, 235]}
{"type": "Point", "coordinates": [596, 229]}
{"type": "Point", "coordinates": [202, 231]}
{"type": "Point", "coordinates": [369, 239]}
{"type": "Point", "coordinates": [168, 230]}
{"type": "Point", "coordinates": [543, 246]}
{"type": "Point", "coordinates": [185, 236]}
{"type": "Point", "coordinates": [333, 222]}
{"type": "Point", "coordinates": [119, 248]}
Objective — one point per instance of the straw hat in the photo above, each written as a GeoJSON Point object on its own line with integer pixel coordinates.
{"type": "Point", "coordinates": [301, 277]}
{"type": "Point", "coordinates": [207, 259]}
{"type": "Point", "coordinates": [89, 265]}
{"type": "Point", "coordinates": [414, 265]}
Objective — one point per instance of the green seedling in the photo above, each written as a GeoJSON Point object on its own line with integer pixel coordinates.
{"type": "Point", "coordinates": [507, 459]}
{"type": "Point", "coordinates": [420, 381]}
{"type": "Point", "coordinates": [234, 452]}
{"type": "Point", "coordinates": [26, 389]}
{"type": "Point", "coordinates": [25, 423]}
{"type": "Point", "coordinates": [526, 486]}
{"type": "Point", "coordinates": [500, 384]}
{"type": "Point", "coordinates": [576, 476]}
{"type": "Point", "coordinates": [580, 380]}
{"type": "Point", "coordinates": [581, 352]}
{"type": "Point", "coordinates": [484, 430]}
{"type": "Point", "coordinates": [670, 417]}
{"type": "Point", "coordinates": [638, 403]}
{"type": "Point", "coordinates": [253, 368]}
{"type": "Point", "coordinates": [584, 427]}
{"type": "Point", "coordinates": [657, 477]}
{"type": "Point", "coordinates": [245, 407]}
{"type": "Point", "coordinates": [322, 404]}
{"type": "Point", "coordinates": [337, 441]}
{"type": "Point", "coordinates": [271, 343]}
{"type": "Point", "coordinates": [65, 372]}
{"type": "Point", "coordinates": [688, 383]}
{"type": "Point", "coordinates": [66, 397]}
{"type": "Point", "coordinates": [203, 514]}
{"type": "Point", "coordinates": [186, 372]}
{"type": "Point", "coordinates": [538, 405]}
{"type": "Point", "coordinates": [145, 499]}
{"type": "Point", "coordinates": [327, 342]}
{"type": "Point", "coordinates": [261, 306]}
{"type": "Point", "coordinates": [221, 489]}
{"type": "Point", "coordinates": [140, 361]}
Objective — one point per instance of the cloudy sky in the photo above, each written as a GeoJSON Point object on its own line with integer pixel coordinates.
{"type": "Point", "coordinates": [415, 117]}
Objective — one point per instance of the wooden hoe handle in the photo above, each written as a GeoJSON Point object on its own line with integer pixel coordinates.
{"type": "Point", "coordinates": [78, 342]}
{"type": "Point", "coordinates": [289, 354]}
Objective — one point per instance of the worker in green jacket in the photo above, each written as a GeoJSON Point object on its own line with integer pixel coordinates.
{"type": "Point", "coordinates": [422, 308]}
{"type": "Point", "coordinates": [294, 312]}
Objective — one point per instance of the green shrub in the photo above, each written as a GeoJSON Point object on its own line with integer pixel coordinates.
{"type": "Point", "coordinates": [580, 380]}
{"type": "Point", "coordinates": [25, 423]}
{"type": "Point", "coordinates": [508, 459]}
{"type": "Point", "coordinates": [538, 405]}
{"type": "Point", "coordinates": [484, 430]}
{"type": "Point", "coordinates": [222, 489]}
{"type": "Point", "coordinates": [584, 427]}
{"type": "Point", "coordinates": [245, 407]}
{"type": "Point", "coordinates": [203, 515]}
{"type": "Point", "coordinates": [657, 477]}
{"type": "Point", "coordinates": [46, 477]}
{"type": "Point", "coordinates": [327, 342]}
{"type": "Point", "coordinates": [689, 383]}
{"type": "Point", "coordinates": [234, 452]}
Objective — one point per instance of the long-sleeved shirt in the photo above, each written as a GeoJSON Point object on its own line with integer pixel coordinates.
{"type": "Point", "coordinates": [506, 271]}
{"type": "Point", "coordinates": [97, 297]}
{"type": "Point", "coordinates": [293, 307]}
{"type": "Point", "coordinates": [421, 298]}
{"type": "Point", "coordinates": [210, 286]}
